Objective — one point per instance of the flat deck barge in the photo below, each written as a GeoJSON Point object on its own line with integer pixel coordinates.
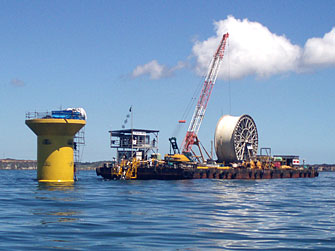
{"type": "Point", "coordinates": [201, 172]}
{"type": "Point", "coordinates": [133, 161]}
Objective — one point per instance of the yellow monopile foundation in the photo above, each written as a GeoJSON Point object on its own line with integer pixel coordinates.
{"type": "Point", "coordinates": [55, 161]}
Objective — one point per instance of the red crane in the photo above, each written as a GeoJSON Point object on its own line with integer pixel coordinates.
{"type": "Point", "coordinates": [191, 137]}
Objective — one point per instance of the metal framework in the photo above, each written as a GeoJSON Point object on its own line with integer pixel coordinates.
{"type": "Point", "coordinates": [199, 112]}
{"type": "Point", "coordinates": [131, 143]}
{"type": "Point", "coordinates": [245, 138]}
{"type": "Point", "coordinates": [78, 141]}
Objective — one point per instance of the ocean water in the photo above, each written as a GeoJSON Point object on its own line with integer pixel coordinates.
{"type": "Point", "coordinates": [94, 214]}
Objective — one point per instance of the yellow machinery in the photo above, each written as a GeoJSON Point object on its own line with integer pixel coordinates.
{"type": "Point", "coordinates": [55, 142]}
{"type": "Point", "coordinates": [176, 157]}
{"type": "Point", "coordinates": [127, 170]}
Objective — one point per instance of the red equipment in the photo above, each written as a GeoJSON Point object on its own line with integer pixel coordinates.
{"type": "Point", "coordinates": [191, 137]}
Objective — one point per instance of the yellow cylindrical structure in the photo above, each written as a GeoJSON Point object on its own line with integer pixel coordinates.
{"type": "Point", "coordinates": [55, 147]}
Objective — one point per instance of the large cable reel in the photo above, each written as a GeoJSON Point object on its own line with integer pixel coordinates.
{"type": "Point", "coordinates": [236, 138]}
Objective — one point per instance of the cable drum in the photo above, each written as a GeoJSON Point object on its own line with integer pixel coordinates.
{"type": "Point", "coordinates": [236, 138]}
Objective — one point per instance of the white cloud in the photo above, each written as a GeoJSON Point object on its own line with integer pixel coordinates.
{"type": "Point", "coordinates": [320, 51]}
{"type": "Point", "coordinates": [180, 65]}
{"type": "Point", "coordinates": [156, 70]}
{"type": "Point", "coordinates": [253, 50]}
{"type": "Point", "coordinates": [153, 69]}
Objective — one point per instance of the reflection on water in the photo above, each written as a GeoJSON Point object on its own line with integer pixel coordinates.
{"type": "Point", "coordinates": [56, 186]}
{"type": "Point", "coordinates": [57, 209]}
{"type": "Point", "coordinates": [58, 194]}
{"type": "Point", "coordinates": [49, 217]}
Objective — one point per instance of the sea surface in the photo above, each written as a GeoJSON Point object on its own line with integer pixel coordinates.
{"type": "Point", "coordinates": [95, 214]}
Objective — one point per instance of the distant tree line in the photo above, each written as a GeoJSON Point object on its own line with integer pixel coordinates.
{"type": "Point", "coordinates": [14, 164]}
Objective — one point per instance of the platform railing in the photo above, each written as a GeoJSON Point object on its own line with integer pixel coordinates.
{"type": "Point", "coordinates": [54, 115]}
{"type": "Point", "coordinates": [38, 115]}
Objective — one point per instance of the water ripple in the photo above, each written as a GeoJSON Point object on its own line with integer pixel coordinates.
{"type": "Point", "coordinates": [283, 214]}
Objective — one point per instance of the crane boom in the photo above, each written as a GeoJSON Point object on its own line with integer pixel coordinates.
{"type": "Point", "coordinates": [200, 109]}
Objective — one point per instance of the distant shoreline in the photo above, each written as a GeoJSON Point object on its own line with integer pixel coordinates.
{"type": "Point", "coordinates": [15, 164]}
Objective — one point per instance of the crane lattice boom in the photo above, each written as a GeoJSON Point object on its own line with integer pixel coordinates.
{"type": "Point", "coordinates": [200, 109]}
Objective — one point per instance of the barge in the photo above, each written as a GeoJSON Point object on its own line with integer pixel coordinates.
{"type": "Point", "coordinates": [178, 166]}
{"type": "Point", "coordinates": [236, 146]}
{"type": "Point", "coordinates": [138, 158]}
{"type": "Point", "coordinates": [172, 169]}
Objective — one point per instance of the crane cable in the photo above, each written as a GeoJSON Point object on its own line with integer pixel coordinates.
{"type": "Point", "coordinates": [196, 93]}
{"type": "Point", "coordinates": [229, 84]}
{"type": "Point", "coordinates": [190, 105]}
{"type": "Point", "coordinates": [186, 112]}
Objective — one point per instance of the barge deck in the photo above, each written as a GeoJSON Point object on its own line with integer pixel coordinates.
{"type": "Point", "coordinates": [168, 172]}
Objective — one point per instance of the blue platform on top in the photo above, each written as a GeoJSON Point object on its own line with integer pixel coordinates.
{"type": "Point", "coordinates": [66, 114]}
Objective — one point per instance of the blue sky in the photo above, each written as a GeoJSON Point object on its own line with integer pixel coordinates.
{"type": "Point", "coordinates": [105, 56]}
